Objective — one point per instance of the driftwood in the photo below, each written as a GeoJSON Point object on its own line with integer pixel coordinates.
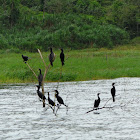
{"type": "Point", "coordinates": [98, 109]}
{"type": "Point", "coordinates": [101, 107]}
{"type": "Point", "coordinates": [122, 105]}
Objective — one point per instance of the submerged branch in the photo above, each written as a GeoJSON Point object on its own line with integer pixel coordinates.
{"type": "Point", "coordinates": [98, 109]}
{"type": "Point", "coordinates": [106, 106]}
{"type": "Point", "coordinates": [101, 107]}
{"type": "Point", "coordinates": [49, 106]}
{"type": "Point", "coordinates": [58, 107]}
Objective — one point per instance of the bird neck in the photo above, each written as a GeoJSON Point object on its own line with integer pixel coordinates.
{"type": "Point", "coordinates": [40, 71]}
{"type": "Point", "coordinates": [51, 50]}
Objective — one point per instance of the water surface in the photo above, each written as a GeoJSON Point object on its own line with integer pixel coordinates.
{"type": "Point", "coordinates": [23, 117]}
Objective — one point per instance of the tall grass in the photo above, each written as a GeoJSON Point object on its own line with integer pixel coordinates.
{"type": "Point", "coordinates": [85, 64]}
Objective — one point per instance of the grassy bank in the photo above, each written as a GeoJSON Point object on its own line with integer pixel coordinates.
{"type": "Point", "coordinates": [87, 64]}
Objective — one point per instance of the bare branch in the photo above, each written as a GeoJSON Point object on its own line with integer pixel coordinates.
{"type": "Point", "coordinates": [32, 70]}
{"type": "Point", "coordinates": [98, 109]}
{"type": "Point", "coordinates": [42, 58]}
{"type": "Point", "coordinates": [46, 70]}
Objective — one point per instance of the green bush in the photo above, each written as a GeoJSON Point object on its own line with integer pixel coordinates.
{"type": "Point", "coordinates": [74, 31]}
{"type": "Point", "coordinates": [3, 42]}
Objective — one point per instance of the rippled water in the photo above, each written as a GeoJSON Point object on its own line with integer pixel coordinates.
{"type": "Point", "coordinates": [23, 117]}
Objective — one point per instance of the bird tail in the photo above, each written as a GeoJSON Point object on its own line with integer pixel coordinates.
{"type": "Point", "coordinates": [113, 99]}
{"type": "Point", "coordinates": [62, 63]}
{"type": "Point", "coordinates": [52, 64]}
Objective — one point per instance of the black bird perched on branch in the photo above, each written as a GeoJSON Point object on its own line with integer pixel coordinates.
{"type": "Point", "coordinates": [40, 94]}
{"type": "Point", "coordinates": [25, 58]}
{"type": "Point", "coordinates": [51, 57]}
{"type": "Point", "coordinates": [59, 99]}
{"type": "Point", "coordinates": [113, 91]}
{"type": "Point", "coordinates": [40, 78]}
{"type": "Point", "coordinates": [62, 57]}
{"type": "Point", "coordinates": [97, 101]}
{"type": "Point", "coordinates": [51, 102]}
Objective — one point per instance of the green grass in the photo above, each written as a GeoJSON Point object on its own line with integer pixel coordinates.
{"type": "Point", "coordinates": [87, 64]}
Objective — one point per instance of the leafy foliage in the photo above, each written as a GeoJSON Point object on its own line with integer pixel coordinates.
{"type": "Point", "coordinates": [75, 24]}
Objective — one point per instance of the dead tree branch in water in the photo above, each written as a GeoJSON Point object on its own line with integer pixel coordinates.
{"type": "Point", "coordinates": [102, 107]}
{"type": "Point", "coordinates": [123, 105]}
{"type": "Point", "coordinates": [46, 70]}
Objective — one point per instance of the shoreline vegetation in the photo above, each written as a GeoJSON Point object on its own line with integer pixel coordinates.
{"type": "Point", "coordinates": [80, 65]}
{"type": "Point", "coordinates": [93, 34]}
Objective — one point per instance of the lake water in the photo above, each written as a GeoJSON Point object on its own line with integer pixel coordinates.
{"type": "Point", "coordinates": [22, 116]}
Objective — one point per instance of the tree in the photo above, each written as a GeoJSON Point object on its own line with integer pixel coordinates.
{"type": "Point", "coordinates": [14, 11]}
{"type": "Point", "coordinates": [42, 2]}
{"type": "Point", "coordinates": [126, 15]}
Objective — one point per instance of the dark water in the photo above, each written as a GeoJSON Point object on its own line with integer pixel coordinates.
{"type": "Point", "coordinates": [22, 116]}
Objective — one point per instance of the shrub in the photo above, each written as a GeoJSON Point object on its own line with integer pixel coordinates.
{"type": "Point", "coordinates": [3, 42]}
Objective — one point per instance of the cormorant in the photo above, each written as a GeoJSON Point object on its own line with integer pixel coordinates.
{"type": "Point", "coordinates": [51, 57]}
{"type": "Point", "coordinates": [59, 99]}
{"type": "Point", "coordinates": [51, 102]}
{"type": "Point", "coordinates": [40, 94]}
{"type": "Point", "coordinates": [40, 78]}
{"type": "Point", "coordinates": [62, 56]}
{"type": "Point", "coordinates": [113, 91]}
{"type": "Point", "coordinates": [25, 58]}
{"type": "Point", "coordinates": [97, 101]}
